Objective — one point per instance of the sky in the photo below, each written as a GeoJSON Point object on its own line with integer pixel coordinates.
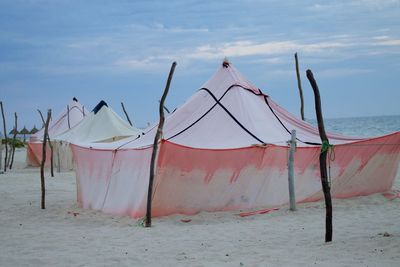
{"type": "Point", "coordinates": [121, 51]}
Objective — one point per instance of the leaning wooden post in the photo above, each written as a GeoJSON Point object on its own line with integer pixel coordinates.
{"type": "Point", "coordinates": [51, 156]}
{"type": "Point", "coordinates": [58, 156]}
{"type": "Point", "coordinates": [41, 116]}
{"type": "Point", "coordinates": [322, 158]}
{"type": "Point", "coordinates": [15, 135]}
{"type": "Point", "coordinates": [299, 85]}
{"type": "Point", "coordinates": [292, 148]}
{"type": "Point", "coordinates": [126, 114]}
{"type": "Point", "coordinates": [155, 147]}
{"type": "Point", "coordinates": [46, 127]}
{"type": "Point", "coordinates": [5, 136]}
{"type": "Point", "coordinates": [69, 124]}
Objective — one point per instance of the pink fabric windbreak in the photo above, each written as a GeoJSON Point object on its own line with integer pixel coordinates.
{"type": "Point", "coordinates": [225, 149]}
{"type": "Point", "coordinates": [62, 123]}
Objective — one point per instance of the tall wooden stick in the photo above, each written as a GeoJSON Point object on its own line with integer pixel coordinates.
{"type": "Point", "coordinates": [69, 124]}
{"type": "Point", "coordinates": [299, 85]}
{"type": "Point", "coordinates": [46, 128]}
{"type": "Point", "coordinates": [155, 147]}
{"type": "Point", "coordinates": [322, 158]}
{"type": "Point", "coordinates": [5, 136]}
{"type": "Point", "coordinates": [41, 116]}
{"type": "Point", "coordinates": [126, 114]}
{"type": "Point", "coordinates": [51, 156]}
{"type": "Point", "coordinates": [15, 135]}
{"type": "Point", "coordinates": [166, 109]}
{"type": "Point", "coordinates": [292, 148]}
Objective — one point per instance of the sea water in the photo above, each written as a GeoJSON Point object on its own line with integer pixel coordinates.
{"type": "Point", "coordinates": [362, 126]}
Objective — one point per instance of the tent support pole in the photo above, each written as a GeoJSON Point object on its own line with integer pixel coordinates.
{"type": "Point", "coordinates": [69, 125]}
{"type": "Point", "coordinates": [41, 116]}
{"type": "Point", "coordinates": [126, 113]}
{"type": "Point", "coordinates": [58, 157]}
{"type": "Point", "coordinates": [42, 182]}
{"type": "Point", "coordinates": [299, 86]}
{"type": "Point", "coordinates": [51, 156]}
{"type": "Point", "coordinates": [155, 147]}
{"type": "Point", "coordinates": [322, 158]}
{"type": "Point", "coordinates": [5, 136]}
{"type": "Point", "coordinates": [292, 148]}
{"type": "Point", "coordinates": [15, 135]}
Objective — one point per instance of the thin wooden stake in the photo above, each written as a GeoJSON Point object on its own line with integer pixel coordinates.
{"type": "Point", "coordinates": [155, 147]}
{"type": "Point", "coordinates": [46, 128]}
{"type": "Point", "coordinates": [51, 156]}
{"type": "Point", "coordinates": [126, 114]}
{"type": "Point", "coordinates": [322, 158]}
{"type": "Point", "coordinates": [292, 195]}
{"type": "Point", "coordinates": [15, 135]}
{"type": "Point", "coordinates": [166, 109]}
{"type": "Point", "coordinates": [299, 85]}
{"type": "Point", "coordinates": [5, 136]}
{"type": "Point", "coordinates": [41, 116]}
{"type": "Point", "coordinates": [69, 125]}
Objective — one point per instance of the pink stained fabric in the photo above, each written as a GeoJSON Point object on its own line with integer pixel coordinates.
{"type": "Point", "coordinates": [34, 154]}
{"type": "Point", "coordinates": [207, 161]}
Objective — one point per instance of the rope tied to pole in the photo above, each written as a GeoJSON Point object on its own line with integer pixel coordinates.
{"type": "Point", "coordinates": [330, 149]}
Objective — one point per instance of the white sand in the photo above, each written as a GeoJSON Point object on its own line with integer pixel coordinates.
{"type": "Point", "coordinates": [30, 236]}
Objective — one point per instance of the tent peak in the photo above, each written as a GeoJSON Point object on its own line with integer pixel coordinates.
{"type": "Point", "coordinates": [99, 106]}
{"type": "Point", "coordinates": [75, 99]}
{"type": "Point", "coordinates": [226, 63]}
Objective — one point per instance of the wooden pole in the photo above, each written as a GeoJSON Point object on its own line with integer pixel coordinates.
{"type": "Point", "coordinates": [166, 109]}
{"type": "Point", "coordinates": [292, 196]}
{"type": "Point", "coordinates": [69, 125]}
{"type": "Point", "coordinates": [5, 136]}
{"type": "Point", "coordinates": [41, 116]}
{"type": "Point", "coordinates": [58, 156]}
{"type": "Point", "coordinates": [126, 114]}
{"type": "Point", "coordinates": [155, 147]}
{"type": "Point", "coordinates": [46, 128]}
{"type": "Point", "coordinates": [51, 156]}
{"type": "Point", "coordinates": [15, 135]}
{"type": "Point", "coordinates": [299, 86]}
{"type": "Point", "coordinates": [322, 158]}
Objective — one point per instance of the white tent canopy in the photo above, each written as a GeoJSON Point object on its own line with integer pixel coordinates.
{"type": "Point", "coordinates": [101, 126]}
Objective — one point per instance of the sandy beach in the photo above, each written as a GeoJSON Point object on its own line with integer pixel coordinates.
{"type": "Point", "coordinates": [366, 231]}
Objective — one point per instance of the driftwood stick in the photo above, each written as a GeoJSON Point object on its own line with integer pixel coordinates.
{"type": "Point", "coordinates": [13, 142]}
{"type": "Point", "coordinates": [155, 147]}
{"type": "Point", "coordinates": [322, 158]}
{"type": "Point", "coordinates": [41, 116]}
{"type": "Point", "coordinates": [51, 156]}
{"type": "Point", "coordinates": [69, 124]}
{"type": "Point", "coordinates": [5, 136]}
{"type": "Point", "coordinates": [166, 109]}
{"type": "Point", "coordinates": [299, 85]}
{"type": "Point", "coordinates": [46, 128]}
{"type": "Point", "coordinates": [126, 113]}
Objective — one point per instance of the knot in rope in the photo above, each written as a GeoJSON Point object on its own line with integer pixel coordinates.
{"type": "Point", "coordinates": [325, 146]}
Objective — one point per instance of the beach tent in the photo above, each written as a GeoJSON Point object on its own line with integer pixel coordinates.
{"type": "Point", "coordinates": [100, 125]}
{"type": "Point", "coordinates": [225, 149]}
{"type": "Point", "coordinates": [70, 116]}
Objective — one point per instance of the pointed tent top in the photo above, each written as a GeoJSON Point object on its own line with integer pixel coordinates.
{"type": "Point", "coordinates": [34, 130]}
{"type": "Point", "coordinates": [101, 104]}
{"type": "Point", "coordinates": [226, 63]}
{"type": "Point", "coordinates": [227, 76]}
{"type": "Point", "coordinates": [24, 131]}
{"type": "Point", "coordinates": [75, 99]}
{"type": "Point", "coordinates": [13, 131]}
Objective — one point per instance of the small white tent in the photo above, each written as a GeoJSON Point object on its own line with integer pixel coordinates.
{"type": "Point", "coordinates": [100, 125]}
